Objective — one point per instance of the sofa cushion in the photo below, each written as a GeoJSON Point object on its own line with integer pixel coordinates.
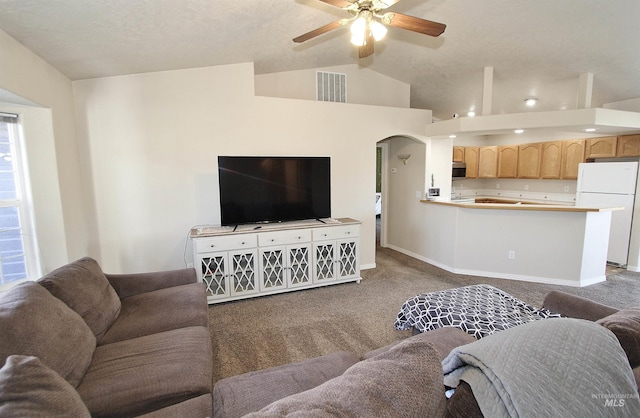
{"type": "Point", "coordinates": [84, 288]}
{"type": "Point", "coordinates": [194, 407]}
{"type": "Point", "coordinates": [35, 323]}
{"type": "Point", "coordinates": [140, 316]}
{"type": "Point", "coordinates": [238, 395]}
{"type": "Point", "coordinates": [148, 373]}
{"type": "Point", "coordinates": [625, 324]}
{"type": "Point", "coordinates": [28, 388]}
{"type": "Point", "coordinates": [405, 381]}
{"type": "Point", "coordinates": [443, 340]}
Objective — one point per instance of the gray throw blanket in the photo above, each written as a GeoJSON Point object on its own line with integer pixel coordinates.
{"type": "Point", "coordinates": [554, 367]}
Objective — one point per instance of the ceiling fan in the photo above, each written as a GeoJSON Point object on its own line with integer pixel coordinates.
{"type": "Point", "coordinates": [367, 26]}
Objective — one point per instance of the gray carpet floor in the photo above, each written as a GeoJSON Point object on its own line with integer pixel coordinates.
{"type": "Point", "coordinates": [268, 331]}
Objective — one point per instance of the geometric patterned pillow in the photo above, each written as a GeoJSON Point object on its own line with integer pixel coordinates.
{"type": "Point", "coordinates": [28, 388]}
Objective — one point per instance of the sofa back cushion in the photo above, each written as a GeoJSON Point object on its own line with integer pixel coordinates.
{"type": "Point", "coordinates": [28, 388]}
{"type": "Point", "coordinates": [84, 288]}
{"type": "Point", "coordinates": [625, 324]}
{"type": "Point", "coordinates": [35, 323]}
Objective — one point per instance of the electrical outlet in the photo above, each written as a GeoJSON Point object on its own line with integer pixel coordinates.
{"type": "Point", "coordinates": [498, 186]}
{"type": "Point", "coordinates": [566, 189]}
{"type": "Point", "coordinates": [526, 187]}
{"type": "Point", "coordinates": [512, 255]}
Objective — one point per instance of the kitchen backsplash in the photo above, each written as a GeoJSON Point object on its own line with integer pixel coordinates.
{"type": "Point", "coordinates": [556, 191]}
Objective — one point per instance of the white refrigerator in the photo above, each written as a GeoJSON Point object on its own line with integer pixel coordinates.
{"type": "Point", "coordinates": [611, 184]}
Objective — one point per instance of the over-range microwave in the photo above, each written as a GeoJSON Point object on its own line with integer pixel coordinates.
{"type": "Point", "coordinates": [458, 170]}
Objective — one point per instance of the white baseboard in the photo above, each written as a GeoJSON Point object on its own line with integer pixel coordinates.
{"type": "Point", "coordinates": [495, 275]}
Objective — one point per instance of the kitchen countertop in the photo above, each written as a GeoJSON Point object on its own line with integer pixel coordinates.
{"type": "Point", "coordinates": [519, 205]}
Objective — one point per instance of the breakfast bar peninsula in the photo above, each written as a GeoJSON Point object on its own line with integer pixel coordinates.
{"type": "Point", "coordinates": [544, 243]}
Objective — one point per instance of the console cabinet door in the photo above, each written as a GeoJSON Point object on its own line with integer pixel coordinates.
{"type": "Point", "coordinates": [324, 256]}
{"type": "Point", "coordinates": [242, 272]}
{"type": "Point", "coordinates": [214, 275]}
{"type": "Point", "coordinates": [273, 268]}
{"type": "Point", "coordinates": [299, 265]}
{"type": "Point", "coordinates": [348, 259]}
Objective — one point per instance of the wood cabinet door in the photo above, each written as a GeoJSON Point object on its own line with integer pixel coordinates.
{"type": "Point", "coordinates": [488, 162]}
{"type": "Point", "coordinates": [471, 157]}
{"type": "Point", "coordinates": [508, 161]}
{"type": "Point", "coordinates": [604, 147]}
{"type": "Point", "coordinates": [572, 156]}
{"type": "Point", "coordinates": [551, 160]}
{"type": "Point", "coordinates": [458, 154]}
{"type": "Point", "coordinates": [628, 146]}
{"type": "Point", "coordinates": [529, 161]}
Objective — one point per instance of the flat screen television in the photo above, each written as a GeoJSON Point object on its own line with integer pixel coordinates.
{"type": "Point", "coordinates": [274, 189]}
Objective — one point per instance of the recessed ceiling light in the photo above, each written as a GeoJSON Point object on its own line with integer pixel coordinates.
{"type": "Point", "coordinates": [590, 130]}
{"type": "Point", "coordinates": [471, 114]}
{"type": "Point", "coordinates": [518, 131]}
{"type": "Point", "coordinates": [531, 101]}
{"type": "Point", "coordinates": [452, 136]}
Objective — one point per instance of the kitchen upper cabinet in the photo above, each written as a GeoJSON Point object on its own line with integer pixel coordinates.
{"type": "Point", "coordinates": [458, 154]}
{"type": "Point", "coordinates": [530, 161]}
{"type": "Point", "coordinates": [508, 161]}
{"type": "Point", "coordinates": [488, 162]}
{"type": "Point", "coordinates": [572, 156]}
{"type": "Point", "coordinates": [604, 147]}
{"type": "Point", "coordinates": [551, 160]}
{"type": "Point", "coordinates": [628, 146]}
{"type": "Point", "coordinates": [471, 157]}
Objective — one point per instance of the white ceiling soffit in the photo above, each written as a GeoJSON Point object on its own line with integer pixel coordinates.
{"type": "Point", "coordinates": [605, 122]}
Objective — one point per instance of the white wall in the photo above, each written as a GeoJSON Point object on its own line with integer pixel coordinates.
{"type": "Point", "coordinates": [364, 86]}
{"type": "Point", "coordinates": [63, 223]}
{"type": "Point", "coordinates": [153, 141]}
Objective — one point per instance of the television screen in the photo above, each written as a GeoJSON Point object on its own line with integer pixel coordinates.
{"type": "Point", "coordinates": [274, 189]}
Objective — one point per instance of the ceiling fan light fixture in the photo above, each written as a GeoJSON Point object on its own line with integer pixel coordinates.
{"type": "Point", "coordinates": [359, 31]}
{"type": "Point", "coordinates": [378, 30]}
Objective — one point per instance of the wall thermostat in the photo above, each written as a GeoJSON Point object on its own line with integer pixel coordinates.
{"type": "Point", "coordinates": [433, 192]}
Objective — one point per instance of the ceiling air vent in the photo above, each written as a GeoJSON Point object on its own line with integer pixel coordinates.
{"type": "Point", "coordinates": [331, 87]}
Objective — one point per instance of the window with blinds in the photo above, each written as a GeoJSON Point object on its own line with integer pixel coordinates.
{"type": "Point", "coordinates": [15, 216]}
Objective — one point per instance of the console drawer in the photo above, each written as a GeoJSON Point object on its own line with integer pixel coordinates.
{"type": "Point", "coordinates": [293, 236]}
{"type": "Point", "coordinates": [236, 242]}
{"type": "Point", "coordinates": [336, 232]}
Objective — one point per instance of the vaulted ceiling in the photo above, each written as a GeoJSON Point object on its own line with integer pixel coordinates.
{"type": "Point", "coordinates": [537, 48]}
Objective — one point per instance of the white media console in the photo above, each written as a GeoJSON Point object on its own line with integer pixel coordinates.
{"type": "Point", "coordinates": [249, 260]}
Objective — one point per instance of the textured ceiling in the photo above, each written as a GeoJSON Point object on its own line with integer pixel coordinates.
{"type": "Point", "coordinates": [537, 48]}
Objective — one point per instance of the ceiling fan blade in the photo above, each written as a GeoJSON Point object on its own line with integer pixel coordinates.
{"type": "Point", "coordinates": [414, 24]}
{"type": "Point", "coordinates": [367, 48]}
{"type": "Point", "coordinates": [343, 4]}
{"type": "Point", "coordinates": [319, 31]}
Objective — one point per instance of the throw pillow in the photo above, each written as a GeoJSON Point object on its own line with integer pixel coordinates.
{"type": "Point", "coordinates": [404, 381]}
{"type": "Point", "coordinates": [84, 288]}
{"type": "Point", "coordinates": [625, 324]}
{"type": "Point", "coordinates": [28, 388]}
{"type": "Point", "coordinates": [35, 323]}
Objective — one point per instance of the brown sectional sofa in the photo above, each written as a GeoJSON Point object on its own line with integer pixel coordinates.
{"type": "Point", "coordinates": [355, 385]}
{"type": "Point", "coordinates": [79, 342]}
